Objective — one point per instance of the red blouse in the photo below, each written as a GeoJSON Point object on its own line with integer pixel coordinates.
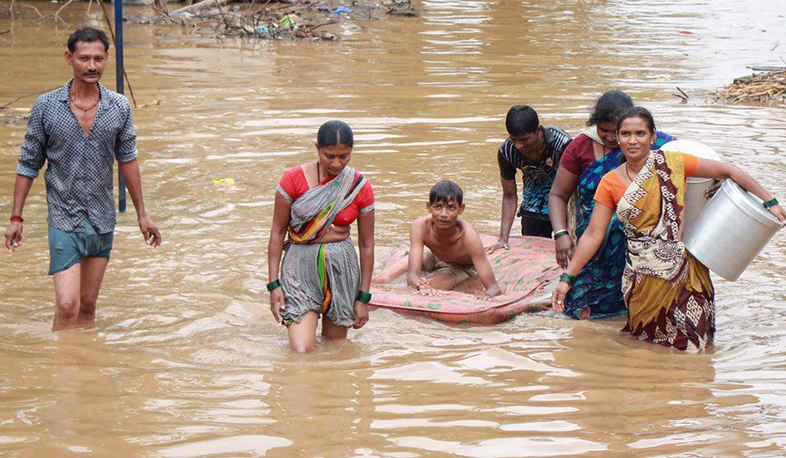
{"type": "Point", "coordinates": [294, 184]}
{"type": "Point", "coordinates": [579, 155]}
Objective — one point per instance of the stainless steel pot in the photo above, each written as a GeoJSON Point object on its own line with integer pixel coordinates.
{"type": "Point", "coordinates": [695, 186]}
{"type": "Point", "coordinates": [730, 231]}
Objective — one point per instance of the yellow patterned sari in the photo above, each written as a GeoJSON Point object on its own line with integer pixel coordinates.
{"type": "Point", "coordinates": [669, 294]}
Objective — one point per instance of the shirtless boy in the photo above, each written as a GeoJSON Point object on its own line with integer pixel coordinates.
{"type": "Point", "coordinates": [447, 248]}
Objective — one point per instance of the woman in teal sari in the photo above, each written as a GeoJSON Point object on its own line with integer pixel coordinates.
{"type": "Point", "coordinates": [597, 292]}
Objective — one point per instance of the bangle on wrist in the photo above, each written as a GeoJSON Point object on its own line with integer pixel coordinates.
{"type": "Point", "coordinates": [567, 278]}
{"type": "Point", "coordinates": [559, 234]}
{"type": "Point", "coordinates": [273, 285]}
{"type": "Point", "coordinates": [364, 297]}
{"type": "Point", "coordinates": [17, 218]}
{"type": "Point", "coordinates": [770, 203]}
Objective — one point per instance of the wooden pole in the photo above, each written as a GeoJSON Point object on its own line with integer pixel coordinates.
{"type": "Point", "coordinates": [121, 183]}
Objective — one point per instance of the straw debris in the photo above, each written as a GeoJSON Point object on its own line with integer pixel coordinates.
{"type": "Point", "coordinates": [767, 87]}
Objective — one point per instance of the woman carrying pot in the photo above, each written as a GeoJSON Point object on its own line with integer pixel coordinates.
{"type": "Point", "coordinates": [668, 293]}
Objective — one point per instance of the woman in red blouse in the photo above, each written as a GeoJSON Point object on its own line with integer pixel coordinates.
{"type": "Point", "coordinates": [315, 205]}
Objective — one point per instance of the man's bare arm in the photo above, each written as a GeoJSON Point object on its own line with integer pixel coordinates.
{"type": "Point", "coordinates": [509, 204]}
{"type": "Point", "coordinates": [130, 172]}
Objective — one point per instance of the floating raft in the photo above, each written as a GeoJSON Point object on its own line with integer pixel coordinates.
{"type": "Point", "coordinates": [525, 271]}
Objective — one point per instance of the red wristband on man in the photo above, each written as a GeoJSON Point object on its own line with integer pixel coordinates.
{"type": "Point", "coordinates": [17, 218]}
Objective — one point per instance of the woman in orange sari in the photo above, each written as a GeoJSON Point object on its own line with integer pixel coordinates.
{"type": "Point", "coordinates": [668, 293]}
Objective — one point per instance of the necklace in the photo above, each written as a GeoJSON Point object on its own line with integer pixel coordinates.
{"type": "Point", "coordinates": [98, 99]}
{"type": "Point", "coordinates": [626, 172]}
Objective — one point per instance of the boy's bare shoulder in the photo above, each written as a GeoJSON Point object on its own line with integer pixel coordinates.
{"type": "Point", "coordinates": [421, 224]}
{"type": "Point", "coordinates": [468, 230]}
{"type": "Point", "coordinates": [470, 239]}
{"type": "Point", "coordinates": [422, 221]}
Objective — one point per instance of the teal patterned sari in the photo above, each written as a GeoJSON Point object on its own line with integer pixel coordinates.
{"type": "Point", "coordinates": [597, 292]}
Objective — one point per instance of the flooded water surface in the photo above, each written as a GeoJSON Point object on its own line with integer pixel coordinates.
{"type": "Point", "coordinates": [185, 358]}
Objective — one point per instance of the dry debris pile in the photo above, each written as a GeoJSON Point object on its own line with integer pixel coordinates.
{"type": "Point", "coordinates": [270, 19]}
{"type": "Point", "coordinates": [767, 87]}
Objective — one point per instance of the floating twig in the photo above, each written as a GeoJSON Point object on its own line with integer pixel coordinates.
{"type": "Point", "coordinates": [24, 97]}
{"type": "Point", "coordinates": [57, 13]}
{"type": "Point", "coordinates": [40, 16]}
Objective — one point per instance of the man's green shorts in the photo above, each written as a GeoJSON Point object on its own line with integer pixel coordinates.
{"type": "Point", "coordinates": [68, 248]}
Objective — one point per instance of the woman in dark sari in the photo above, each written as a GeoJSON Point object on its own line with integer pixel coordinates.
{"type": "Point", "coordinates": [597, 292]}
{"type": "Point", "coordinates": [320, 276]}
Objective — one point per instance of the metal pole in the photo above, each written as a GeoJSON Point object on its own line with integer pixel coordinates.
{"type": "Point", "coordinates": [121, 183]}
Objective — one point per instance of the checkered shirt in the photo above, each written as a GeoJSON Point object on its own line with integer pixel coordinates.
{"type": "Point", "coordinates": [80, 169]}
{"type": "Point", "coordinates": [537, 178]}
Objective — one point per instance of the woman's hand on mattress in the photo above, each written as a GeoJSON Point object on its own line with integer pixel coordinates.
{"type": "Point", "coordinates": [565, 250]}
{"type": "Point", "coordinates": [558, 297]}
{"type": "Point", "coordinates": [277, 303]}
{"type": "Point", "coordinates": [500, 244]}
{"type": "Point", "coordinates": [361, 315]}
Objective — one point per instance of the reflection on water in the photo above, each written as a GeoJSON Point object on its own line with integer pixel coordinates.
{"type": "Point", "coordinates": [185, 359]}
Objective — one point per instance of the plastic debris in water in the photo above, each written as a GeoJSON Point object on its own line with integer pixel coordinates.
{"type": "Point", "coordinates": [224, 182]}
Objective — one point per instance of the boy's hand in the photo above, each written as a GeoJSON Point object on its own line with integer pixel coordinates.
{"type": "Point", "coordinates": [500, 244]}
{"type": "Point", "coordinates": [488, 294]}
{"type": "Point", "coordinates": [482, 294]}
{"type": "Point", "coordinates": [424, 288]}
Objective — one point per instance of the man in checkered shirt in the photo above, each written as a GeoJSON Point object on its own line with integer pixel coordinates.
{"type": "Point", "coordinates": [79, 130]}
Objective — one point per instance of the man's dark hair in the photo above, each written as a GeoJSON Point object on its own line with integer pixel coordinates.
{"type": "Point", "coordinates": [87, 35]}
{"type": "Point", "coordinates": [521, 119]}
{"type": "Point", "coordinates": [609, 106]}
{"type": "Point", "coordinates": [333, 133]}
{"type": "Point", "coordinates": [444, 192]}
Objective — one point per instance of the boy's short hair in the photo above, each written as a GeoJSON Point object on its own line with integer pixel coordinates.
{"type": "Point", "coordinates": [521, 119]}
{"type": "Point", "coordinates": [444, 192]}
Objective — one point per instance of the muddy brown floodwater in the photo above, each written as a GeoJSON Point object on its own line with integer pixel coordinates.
{"type": "Point", "coordinates": [185, 358]}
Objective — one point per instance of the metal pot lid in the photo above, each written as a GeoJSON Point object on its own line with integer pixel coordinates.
{"type": "Point", "coordinates": [749, 204]}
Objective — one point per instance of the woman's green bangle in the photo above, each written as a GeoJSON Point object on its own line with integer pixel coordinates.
{"type": "Point", "coordinates": [273, 285]}
{"type": "Point", "coordinates": [567, 278]}
{"type": "Point", "coordinates": [560, 233]}
{"type": "Point", "coordinates": [364, 297]}
{"type": "Point", "coordinates": [770, 203]}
